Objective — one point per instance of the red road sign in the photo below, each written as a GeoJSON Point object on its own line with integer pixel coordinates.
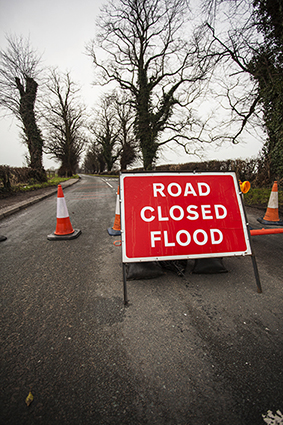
{"type": "Point", "coordinates": [167, 216]}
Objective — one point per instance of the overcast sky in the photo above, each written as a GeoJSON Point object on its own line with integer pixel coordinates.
{"type": "Point", "coordinates": [59, 30]}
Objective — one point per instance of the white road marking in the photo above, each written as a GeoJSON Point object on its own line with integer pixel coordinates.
{"type": "Point", "coordinates": [107, 183]}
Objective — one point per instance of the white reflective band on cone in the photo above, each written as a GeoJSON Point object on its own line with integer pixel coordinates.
{"type": "Point", "coordinates": [273, 200]}
{"type": "Point", "coordinates": [117, 210]}
{"type": "Point", "coordinates": [62, 211]}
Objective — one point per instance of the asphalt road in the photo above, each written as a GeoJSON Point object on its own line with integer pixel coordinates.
{"type": "Point", "coordinates": [192, 350]}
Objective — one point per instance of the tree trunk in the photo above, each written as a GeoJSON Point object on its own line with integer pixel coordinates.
{"type": "Point", "coordinates": [147, 140]}
{"type": "Point", "coordinates": [144, 125]}
{"type": "Point", "coordinates": [33, 137]}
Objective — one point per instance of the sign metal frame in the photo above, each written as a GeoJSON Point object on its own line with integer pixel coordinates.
{"type": "Point", "coordinates": [237, 194]}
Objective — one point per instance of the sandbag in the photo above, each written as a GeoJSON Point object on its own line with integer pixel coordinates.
{"type": "Point", "coordinates": [209, 266]}
{"type": "Point", "coordinates": [143, 270]}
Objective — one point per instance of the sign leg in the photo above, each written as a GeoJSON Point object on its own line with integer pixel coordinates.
{"type": "Point", "coordinates": [125, 285]}
{"type": "Point", "coordinates": [259, 290]}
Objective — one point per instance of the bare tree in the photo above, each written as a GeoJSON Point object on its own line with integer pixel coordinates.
{"type": "Point", "coordinates": [233, 40]}
{"type": "Point", "coordinates": [250, 48]}
{"type": "Point", "coordinates": [64, 122]}
{"type": "Point", "coordinates": [126, 136]}
{"type": "Point", "coordinates": [148, 56]}
{"type": "Point", "coordinates": [105, 130]}
{"type": "Point", "coordinates": [94, 161]}
{"type": "Point", "coordinates": [113, 131]}
{"type": "Point", "coordinates": [19, 70]}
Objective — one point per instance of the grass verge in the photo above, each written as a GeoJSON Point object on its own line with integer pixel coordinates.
{"type": "Point", "coordinates": [259, 197]}
{"type": "Point", "coordinates": [54, 181]}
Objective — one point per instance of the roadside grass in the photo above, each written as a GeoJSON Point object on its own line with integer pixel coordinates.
{"type": "Point", "coordinates": [54, 181]}
{"type": "Point", "coordinates": [259, 197]}
{"type": "Point", "coordinates": [110, 176]}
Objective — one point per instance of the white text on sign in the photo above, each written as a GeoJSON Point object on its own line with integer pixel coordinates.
{"type": "Point", "coordinates": [177, 213]}
{"type": "Point", "coordinates": [174, 189]}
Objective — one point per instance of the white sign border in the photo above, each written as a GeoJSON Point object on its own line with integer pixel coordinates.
{"type": "Point", "coordinates": [126, 259]}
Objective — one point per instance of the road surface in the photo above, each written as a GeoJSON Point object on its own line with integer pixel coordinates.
{"type": "Point", "coordinates": [192, 350]}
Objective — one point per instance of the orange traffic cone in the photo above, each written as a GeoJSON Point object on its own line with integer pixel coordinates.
{"type": "Point", "coordinates": [64, 229]}
{"type": "Point", "coordinates": [116, 229]}
{"type": "Point", "coordinates": [272, 214]}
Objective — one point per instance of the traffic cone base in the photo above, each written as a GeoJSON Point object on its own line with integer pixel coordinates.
{"type": "Point", "coordinates": [273, 223]}
{"type": "Point", "coordinates": [272, 215]}
{"type": "Point", "coordinates": [53, 237]}
{"type": "Point", "coordinates": [113, 232]}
